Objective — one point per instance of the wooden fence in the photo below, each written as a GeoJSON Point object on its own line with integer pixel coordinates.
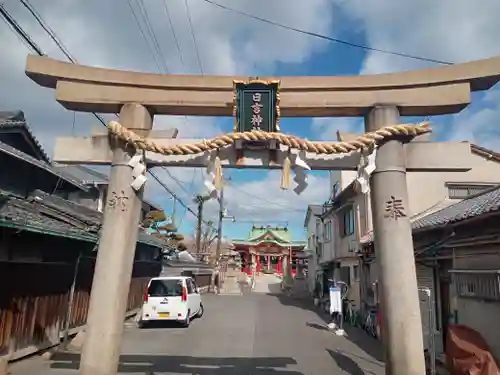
{"type": "Point", "coordinates": [34, 301]}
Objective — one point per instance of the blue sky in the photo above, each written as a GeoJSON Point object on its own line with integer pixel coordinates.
{"type": "Point", "coordinates": [105, 34]}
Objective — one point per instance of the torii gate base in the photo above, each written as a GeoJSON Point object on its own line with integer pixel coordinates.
{"type": "Point", "coordinates": [381, 98]}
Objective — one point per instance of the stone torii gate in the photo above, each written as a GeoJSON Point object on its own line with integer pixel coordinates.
{"type": "Point", "coordinates": [380, 99]}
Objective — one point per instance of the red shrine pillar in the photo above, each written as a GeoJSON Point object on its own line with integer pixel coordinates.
{"type": "Point", "coordinates": [279, 265]}
{"type": "Point", "coordinates": [257, 268]}
{"type": "Point", "coordinates": [246, 269]}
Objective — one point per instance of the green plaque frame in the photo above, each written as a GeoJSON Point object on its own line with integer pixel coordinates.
{"type": "Point", "coordinates": [267, 112]}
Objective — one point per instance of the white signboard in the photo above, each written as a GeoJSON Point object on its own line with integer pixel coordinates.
{"type": "Point", "coordinates": [335, 300]}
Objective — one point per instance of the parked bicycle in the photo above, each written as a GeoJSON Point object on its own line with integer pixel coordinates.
{"type": "Point", "coordinates": [370, 323]}
{"type": "Point", "coordinates": [351, 316]}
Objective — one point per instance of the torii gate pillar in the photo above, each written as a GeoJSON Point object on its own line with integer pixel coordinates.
{"type": "Point", "coordinates": [400, 307]}
{"type": "Point", "coordinates": [115, 256]}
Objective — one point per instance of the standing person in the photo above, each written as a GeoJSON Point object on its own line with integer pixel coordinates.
{"type": "Point", "coordinates": [217, 283]}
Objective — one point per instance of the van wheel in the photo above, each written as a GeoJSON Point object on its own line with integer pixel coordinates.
{"type": "Point", "coordinates": [185, 323]}
{"type": "Point", "coordinates": [200, 311]}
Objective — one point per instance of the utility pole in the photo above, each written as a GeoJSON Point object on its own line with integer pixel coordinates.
{"type": "Point", "coordinates": [219, 227]}
{"type": "Point", "coordinates": [201, 202]}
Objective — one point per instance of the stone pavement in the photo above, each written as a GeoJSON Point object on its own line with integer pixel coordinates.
{"type": "Point", "coordinates": [267, 283]}
{"type": "Point", "coordinates": [251, 334]}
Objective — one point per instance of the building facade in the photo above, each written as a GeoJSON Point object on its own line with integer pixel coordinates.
{"type": "Point", "coordinates": [457, 250]}
{"type": "Point", "coordinates": [96, 189]}
{"type": "Point", "coordinates": [48, 247]}
{"type": "Point", "coordinates": [314, 246]}
{"type": "Point", "coordinates": [269, 250]}
{"type": "Point", "coordinates": [345, 238]}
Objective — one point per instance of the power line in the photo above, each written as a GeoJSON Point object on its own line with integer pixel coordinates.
{"type": "Point", "coordinates": [175, 196]}
{"type": "Point", "coordinates": [11, 21]}
{"type": "Point", "coordinates": [132, 10]}
{"type": "Point", "coordinates": [161, 57]}
{"type": "Point", "coordinates": [18, 30]}
{"type": "Point", "coordinates": [177, 181]}
{"type": "Point", "coordinates": [174, 34]}
{"type": "Point", "coordinates": [324, 37]}
{"type": "Point", "coordinates": [149, 26]}
{"type": "Point", "coordinates": [288, 208]}
{"type": "Point", "coordinates": [177, 45]}
{"type": "Point", "coordinates": [47, 29]}
{"type": "Point", "coordinates": [193, 36]}
{"type": "Point", "coordinates": [265, 200]}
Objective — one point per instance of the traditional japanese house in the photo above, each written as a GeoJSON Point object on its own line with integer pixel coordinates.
{"type": "Point", "coordinates": [268, 249]}
{"type": "Point", "coordinates": [47, 246]}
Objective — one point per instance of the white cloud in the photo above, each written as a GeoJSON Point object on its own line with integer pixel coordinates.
{"type": "Point", "coordinates": [325, 129]}
{"type": "Point", "coordinates": [479, 124]}
{"type": "Point", "coordinates": [105, 34]}
{"type": "Point", "coordinates": [449, 30]}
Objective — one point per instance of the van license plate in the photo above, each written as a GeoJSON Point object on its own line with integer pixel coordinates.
{"type": "Point", "coordinates": [164, 314]}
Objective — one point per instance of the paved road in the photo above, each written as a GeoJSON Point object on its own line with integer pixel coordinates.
{"type": "Point", "coordinates": [255, 334]}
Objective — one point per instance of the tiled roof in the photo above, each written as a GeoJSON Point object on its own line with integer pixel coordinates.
{"type": "Point", "coordinates": [484, 152]}
{"type": "Point", "coordinates": [481, 204]}
{"type": "Point", "coordinates": [84, 174]}
{"type": "Point", "coordinates": [88, 176]}
{"type": "Point", "coordinates": [20, 213]}
{"type": "Point", "coordinates": [16, 120]}
{"type": "Point", "coordinates": [66, 207]}
{"type": "Point", "coordinates": [50, 214]}
{"type": "Point", "coordinates": [280, 234]}
{"type": "Point", "coordinates": [14, 152]}
{"type": "Point", "coordinates": [486, 202]}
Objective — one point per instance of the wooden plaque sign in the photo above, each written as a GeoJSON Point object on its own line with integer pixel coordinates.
{"type": "Point", "coordinates": [256, 105]}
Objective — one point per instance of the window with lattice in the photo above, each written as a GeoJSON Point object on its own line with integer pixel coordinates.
{"type": "Point", "coordinates": [480, 284]}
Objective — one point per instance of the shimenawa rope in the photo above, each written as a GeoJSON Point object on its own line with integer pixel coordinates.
{"type": "Point", "coordinates": [362, 142]}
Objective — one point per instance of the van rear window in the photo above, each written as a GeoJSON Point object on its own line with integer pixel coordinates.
{"type": "Point", "coordinates": [165, 288]}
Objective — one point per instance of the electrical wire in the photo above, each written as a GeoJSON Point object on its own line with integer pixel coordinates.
{"type": "Point", "coordinates": [266, 201]}
{"type": "Point", "coordinates": [177, 45]}
{"type": "Point", "coordinates": [324, 37]}
{"type": "Point", "coordinates": [48, 30]}
{"type": "Point", "coordinates": [175, 196]}
{"type": "Point", "coordinates": [159, 56]}
{"type": "Point", "coordinates": [149, 26]}
{"type": "Point", "coordinates": [34, 47]}
{"type": "Point", "coordinates": [193, 35]}
{"type": "Point", "coordinates": [174, 34]}
{"type": "Point", "coordinates": [18, 31]}
{"type": "Point", "coordinates": [132, 10]}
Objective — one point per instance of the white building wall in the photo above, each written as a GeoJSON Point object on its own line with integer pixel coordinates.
{"type": "Point", "coordinates": [312, 246]}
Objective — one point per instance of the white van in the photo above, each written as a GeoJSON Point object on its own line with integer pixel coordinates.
{"type": "Point", "coordinates": [171, 298]}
